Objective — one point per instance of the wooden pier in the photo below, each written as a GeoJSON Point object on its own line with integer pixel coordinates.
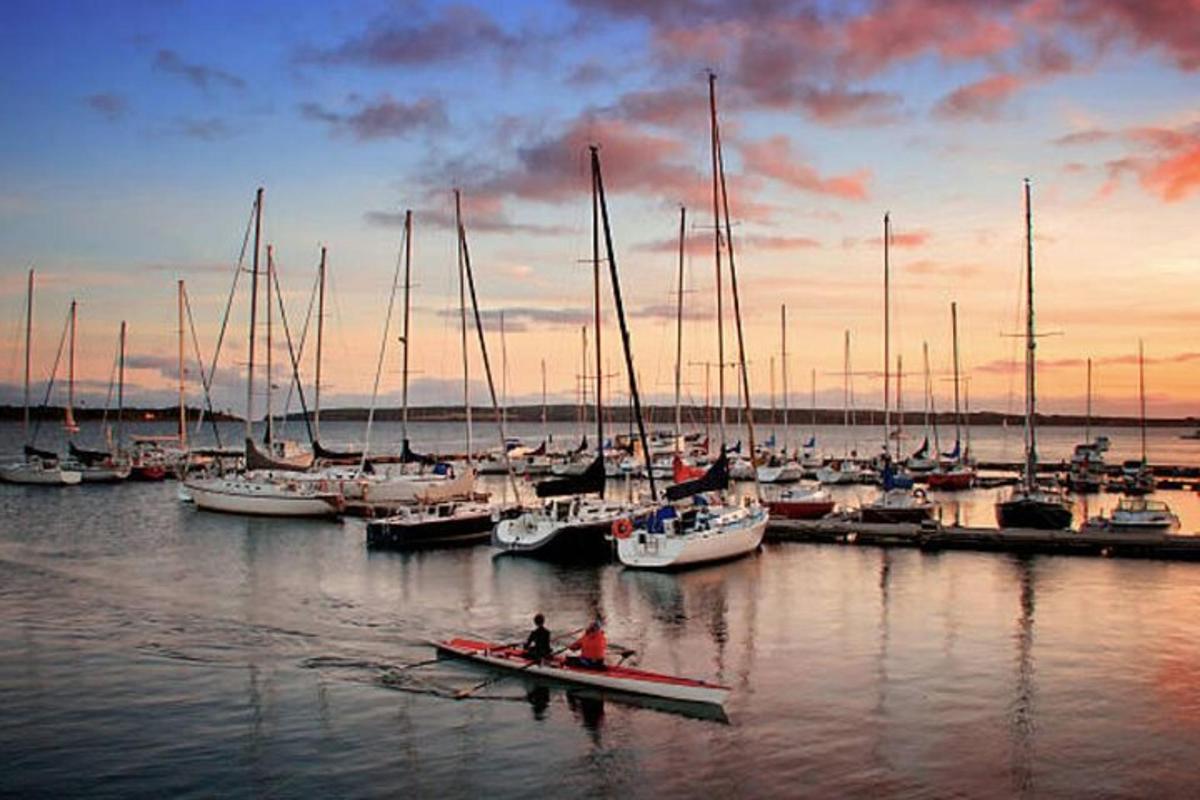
{"type": "Point", "coordinates": [935, 537]}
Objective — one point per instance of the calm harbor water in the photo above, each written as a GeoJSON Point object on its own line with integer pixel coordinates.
{"type": "Point", "coordinates": [148, 650]}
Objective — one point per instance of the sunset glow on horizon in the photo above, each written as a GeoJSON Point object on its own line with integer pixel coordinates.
{"type": "Point", "coordinates": [136, 133]}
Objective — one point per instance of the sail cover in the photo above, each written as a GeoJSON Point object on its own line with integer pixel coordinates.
{"type": "Point", "coordinates": [257, 459]}
{"type": "Point", "coordinates": [590, 481]}
{"type": "Point", "coordinates": [88, 457]}
{"type": "Point", "coordinates": [338, 456]}
{"type": "Point", "coordinates": [407, 456]}
{"type": "Point", "coordinates": [44, 455]}
{"type": "Point", "coordinates": [715, 479]}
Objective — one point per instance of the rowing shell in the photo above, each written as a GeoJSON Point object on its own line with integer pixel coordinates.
{"type": "Point", "coordinates": [615, 678]}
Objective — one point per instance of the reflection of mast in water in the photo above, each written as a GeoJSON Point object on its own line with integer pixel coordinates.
{"type": "Point", "coordinates": [1021, 723]}
{"type": "Point", "coordinates": [885, 580]}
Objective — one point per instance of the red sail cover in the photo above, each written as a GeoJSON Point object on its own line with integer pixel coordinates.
{"type": "Point", "coordinates": [683, 472]}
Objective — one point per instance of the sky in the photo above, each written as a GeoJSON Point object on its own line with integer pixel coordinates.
{"type": "Point", "coordinates": [135, 134]}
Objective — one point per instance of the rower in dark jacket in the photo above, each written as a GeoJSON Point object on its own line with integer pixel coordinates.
{"type": "Point", "coordinates": [537, 643]}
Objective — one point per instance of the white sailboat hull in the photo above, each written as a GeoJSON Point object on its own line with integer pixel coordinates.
{"type": "Point", "coordinates": [261, 498]}
{"type": "Point", "coordinates": [35, 474]}
{"type": "Point", "coordinates": [734, 538]}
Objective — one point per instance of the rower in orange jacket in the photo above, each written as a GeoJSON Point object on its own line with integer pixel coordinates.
{"type": "Point", "coordinates": [591, 646]}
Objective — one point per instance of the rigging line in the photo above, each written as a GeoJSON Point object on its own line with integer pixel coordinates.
{"type": "Point", "coordinates": [50, 384]}
{"type": "Point", "coordinates": [237, 273]}
{"type": "Point", "coordinates": [287, 402]}
{"type": "Point", "coordinates": [205, 378]}
{"type": "Point", "coordinates": [287, 335]}
{"type": "Point", "coordinates": [112, 380]}
{"type": "Point", "coordinates": [387, 325]}
{"type": "Point", "coordinates": [487, 366]}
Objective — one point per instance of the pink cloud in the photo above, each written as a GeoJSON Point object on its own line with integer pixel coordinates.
{"type": "Point", "coordinates": [982, 99]}
{"type": "Point", "coordinates": [773, 158]}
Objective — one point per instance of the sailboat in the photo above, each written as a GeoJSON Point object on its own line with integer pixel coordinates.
{"type": "Point", "coordinates": [1030, 506]}
{"type": "Point", "coordinates": [925, 459]}
{"type": "Point", "coordinates": [1086, 474]}
{"type": "Point", "coordinates": [844, 470]}
{"type": "Point", "coordinates": [695, 527]}
{"type": "Point", "coordinates": [252, 493]}
{"type": "Point", "coordinates": [780, 467]}
{"type": "Point", "coordinates": [955, 473]}
{"type": "Point", "coordinates": [1137, 478]}
{"type": "Point", "coordinates": [457, 522]}
{"type": "Point", "coordinates": [571, 525]}
{"type": "Point", "coordinates": [40, 467]}
{"type": "Point", "coordinates": [100, 466]}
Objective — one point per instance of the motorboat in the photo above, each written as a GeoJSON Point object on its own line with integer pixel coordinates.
{"type": "Point", "coordinates": [1138, 514]}
{"type": "Point", "coordinates": [801, 502]}
{"type": "Point", "coordinates": [897, 506]}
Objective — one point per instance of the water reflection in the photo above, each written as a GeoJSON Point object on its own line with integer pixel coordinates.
{"type": "Point", "coordinates": [1021, 721]}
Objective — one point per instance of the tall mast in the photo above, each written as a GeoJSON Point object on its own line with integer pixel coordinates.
{"type": "Point", "coordinates": [69, 421]}
{"type": "Point", "coordinates": [679, 329]}
{"type": "Point", "coordinates": [544, 430]}
{"type": "Point", "coordinates": [28, 353]}
{"type": "Point", "coordinates": [404, 323]}
{"type": "Point", "coordinates": [627, 345]}
{"type": "Point", "coordinates": [121, 387]}
{"type": "Point", "coordinates": [462, 310]}
{"type": "Point", "coordinates": [712, 110]}
{"type": "Point", "coordinates": [258, 206]}
{"type": "Point", "coordinates": [784, 376]}
{"type": "Point", "coordinates": [846, 391]}
{"type": "Point", "coordinates": [1087, 433]}
{"type": "Point", "coordinates": [930, 411]}
{"type": "Point", "coordinates": [596, 315]}
{"type": "Point", "coordinates": [887, 357]}
{"type": "Point", "coordinates": [899, 404]}
{"type": "Point", "coordinates": [1030, 352]}
{"type": "Point", "coordinates": [733, 285]}
{"type": "Point", "coordinates": [320, 345]}
{"type": "Point", "coordinates": [270, 375]}
{"type": "Point", "coordinates": [182, 374]}
{"type": "Point", "coordinates": [1142, 395]}
{"type": "Point", "coordinates": [503, 373]}
{"type": "Point", "coordinates": [954, 339]}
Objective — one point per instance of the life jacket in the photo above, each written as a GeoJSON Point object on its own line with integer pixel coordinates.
{"type": "Point", "coordinates": [592, 645]}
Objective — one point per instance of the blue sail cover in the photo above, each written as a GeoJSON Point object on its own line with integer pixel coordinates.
{"type": "Point", "coordinates": [924, 451]}
{"type": "Point", "coordinates": [955, 452]}
{"type": "Point", "coordinates": [811, 443]}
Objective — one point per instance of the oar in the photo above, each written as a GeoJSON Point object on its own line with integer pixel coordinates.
{"type": "Point", "coordinates": [495, 678]}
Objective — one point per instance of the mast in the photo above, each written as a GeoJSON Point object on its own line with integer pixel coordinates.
{"type": "Point", "coordinates": [545, 434]}
{"type": "Point", "coordinates": [733, 286]}
{"type": "Point", "coordinates": [846, 391]}
{"type": "Point", "coordinates": [28, 353]}
{"type": "Point", "coordinates": [404, 323]}
{"type": "Point", "coordinates": [583, 354]}
{"type": "Point", "coordinates": [1087, 433]}
{"type": "Point", "coordinates": [69, 421]}
{"type": "Point", "coordinates": [503, 373]}
{"type": "Point", "coordinates": [899, 404]}
{"type": "Point", "coordinates": [121, 388]}
{"type": "Point", "coordinates": [596, 312]}
{"type": "Point", "coordinates": [182, 373]}
{"type": "Point", "coordinates": [258, 205]}
{"type": "Point", "coordinates": [1030, 352]}
{"type": "Point", "coordinates": [1142, 396]}
{"type": "Point", "coordinates": [270, 374]}
{"type": "Point", "coordinates": [957, 414]}
{"type": "Point", "coordinates": [930, 410]}
{"type": "Point", "coordinates": [887, 357]}
{"type": "Point", "coordinates": [679, 330]}
{"type": "Point", "coordinates": [712, 111]}
{"type": "Point", "coordinates": [462, 311]}
{"type": "Point", "coordinates": [627, 345]}
{"type": "Point", "coordinates": [783, 370]}
{"type": "Point", "coordinates": [320, 345]}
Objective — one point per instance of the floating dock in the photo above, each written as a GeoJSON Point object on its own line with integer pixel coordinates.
{"type": "Point", "coordinates": [935, 537]}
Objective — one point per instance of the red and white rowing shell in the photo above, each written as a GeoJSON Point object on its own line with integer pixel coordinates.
{"type": "Point", "coordinates": [615, 678]}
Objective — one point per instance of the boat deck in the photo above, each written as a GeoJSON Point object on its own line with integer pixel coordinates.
{"type": "Point", "coordinates": [933, 537]}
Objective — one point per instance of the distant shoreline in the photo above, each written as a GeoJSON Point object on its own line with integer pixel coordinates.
{"type": "Point", "coordinates": [661, 416]}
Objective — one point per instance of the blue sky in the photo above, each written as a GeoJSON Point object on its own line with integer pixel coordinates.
{"type": "Point", "coordinates": [135, 134]}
